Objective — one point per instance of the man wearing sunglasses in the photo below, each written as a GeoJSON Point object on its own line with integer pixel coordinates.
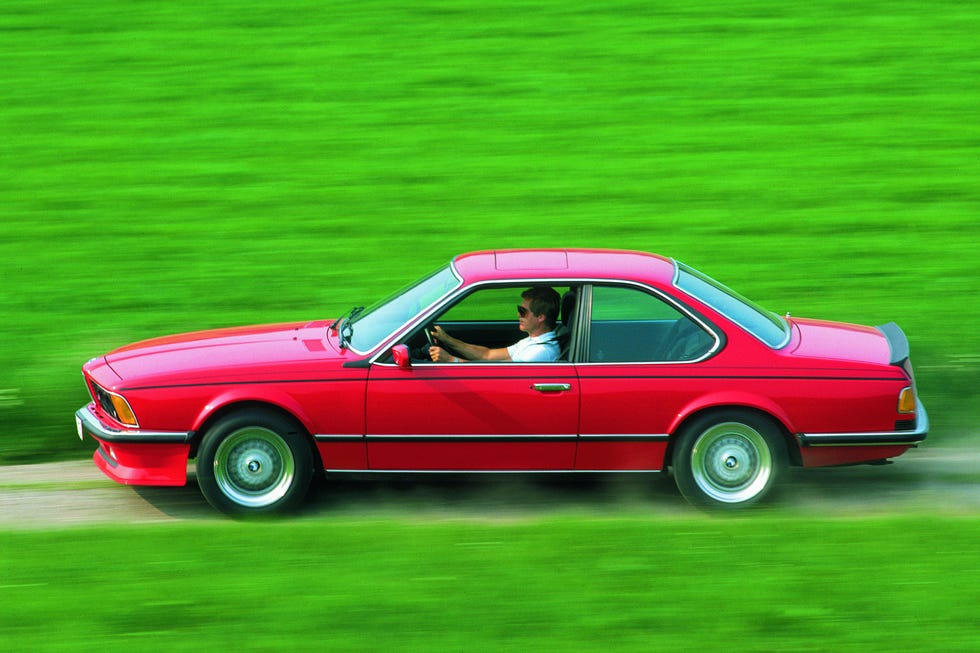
{"type": "Point", "coordinates": [537, 314]}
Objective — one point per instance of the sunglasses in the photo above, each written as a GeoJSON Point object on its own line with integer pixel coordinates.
{"type": "Point", "coordinates": [523, 312]}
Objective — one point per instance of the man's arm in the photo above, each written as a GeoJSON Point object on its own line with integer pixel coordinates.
{"type": "Point", "coordinates": [465, 350]}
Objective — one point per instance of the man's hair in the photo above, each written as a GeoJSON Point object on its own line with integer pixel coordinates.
{"type": "Point", "coordinates": [543, 301]}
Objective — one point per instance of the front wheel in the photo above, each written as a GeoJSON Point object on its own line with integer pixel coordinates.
{"type": "Point", "coordinates": [728, 460]}
{"type": "Point", "coordinates": [254, 462]}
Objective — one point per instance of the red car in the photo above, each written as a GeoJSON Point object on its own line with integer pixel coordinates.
{"type": "Point", "coordinates": [648, 366]}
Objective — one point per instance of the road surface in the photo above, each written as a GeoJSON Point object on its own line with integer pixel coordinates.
{"type": "Point", "coordinates": [68, 494]}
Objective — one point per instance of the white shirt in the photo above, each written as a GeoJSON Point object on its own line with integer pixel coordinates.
{"type": "Point", "coordinates": [539, 349]}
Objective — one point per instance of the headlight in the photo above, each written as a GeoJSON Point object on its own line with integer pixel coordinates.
{"type": "Point", "coordinates": [115, 405]}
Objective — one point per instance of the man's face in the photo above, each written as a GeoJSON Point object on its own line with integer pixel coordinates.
{"type": "Point", "coordinates": [529, 322]}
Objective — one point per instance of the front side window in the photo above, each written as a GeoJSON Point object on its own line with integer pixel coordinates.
{"type": "Point", "coordinates": [632, 325]}
{"type": "Point", "coordinates": [488, 316]}
{"type": "Point", "coordinates": [492, 304]}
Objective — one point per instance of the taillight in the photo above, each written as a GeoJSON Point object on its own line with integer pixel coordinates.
{"type": "Point", "coordinates": [906, 400]}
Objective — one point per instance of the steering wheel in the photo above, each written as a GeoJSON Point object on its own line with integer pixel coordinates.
{"type": "Point", "coordinates": [436, 343]}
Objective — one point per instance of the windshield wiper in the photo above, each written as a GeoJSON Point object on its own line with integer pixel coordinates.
{"type": "Point", "coordinates": [346, 329]}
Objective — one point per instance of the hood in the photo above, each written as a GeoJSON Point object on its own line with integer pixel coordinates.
{"type": "Point", "coordinates": [840, 341]}
{"type": "Point", "coordinates": [242, 353]}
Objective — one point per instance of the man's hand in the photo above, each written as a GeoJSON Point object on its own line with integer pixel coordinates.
{"type": "Point", "coordinates": [440, 355]}
{"type": "Point", "coordinates": [439, 335]}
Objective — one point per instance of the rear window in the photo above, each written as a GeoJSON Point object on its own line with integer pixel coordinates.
{"type": "Point", "coordinates": [764, 325]}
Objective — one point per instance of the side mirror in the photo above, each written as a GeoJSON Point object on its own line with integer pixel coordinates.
{"type": "Point", "coordinates": [403, 358]}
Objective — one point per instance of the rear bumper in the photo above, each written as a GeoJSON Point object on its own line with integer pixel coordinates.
{"type": "Point", "coordinates": [879, 438]}
{"type": "Point", "coordinates": [134, 457]}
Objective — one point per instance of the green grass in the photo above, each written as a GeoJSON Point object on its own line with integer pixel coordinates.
{"type": "Point", "coordinates": [562, 584]}
{"type": "Point", "coordinates": [167, 167]}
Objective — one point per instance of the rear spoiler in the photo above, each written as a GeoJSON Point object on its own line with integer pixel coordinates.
{"type": "Point", "coordinates": [898, 343]}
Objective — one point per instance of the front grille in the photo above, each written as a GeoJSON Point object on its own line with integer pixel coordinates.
{"type": "Point", "coordinates": [905, 425]}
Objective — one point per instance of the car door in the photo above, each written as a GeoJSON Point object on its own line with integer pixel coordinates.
{"type": "Point", "coordinates": [472, 416]}
{"type": "Point", "coordinates": [638, 365]}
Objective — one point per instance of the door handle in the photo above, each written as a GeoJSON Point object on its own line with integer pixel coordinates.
{"type": "Point", "coordinates": [552, 387]}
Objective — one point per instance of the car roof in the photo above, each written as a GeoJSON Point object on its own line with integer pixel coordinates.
{"type": "Point", "coordinates": [493, 265]}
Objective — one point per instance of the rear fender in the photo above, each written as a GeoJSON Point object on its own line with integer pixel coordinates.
{"type": "Point", "coordinates": [732, 400]}
{"type": "Point", "coordinates": [738, 400]}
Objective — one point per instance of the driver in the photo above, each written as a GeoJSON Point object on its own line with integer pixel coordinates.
{"type": "Point", "coordinates": [537, 313]}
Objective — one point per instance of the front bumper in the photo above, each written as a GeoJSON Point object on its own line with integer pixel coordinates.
{"type": "Point", "coordinates": [135, 457]}
{"type": "Point", "coordinates": [88, 422]}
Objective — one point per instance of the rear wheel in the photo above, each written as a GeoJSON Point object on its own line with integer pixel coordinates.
{"type": "Point", "coordinates": [729, 460]}
{"type": "Point", "coordinates": [254, 462]}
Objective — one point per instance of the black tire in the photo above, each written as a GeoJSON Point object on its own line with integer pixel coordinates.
{"type": "Point", "coordinates": [254, 462]}
{"type": "Point", "coordinates": [729, 459]}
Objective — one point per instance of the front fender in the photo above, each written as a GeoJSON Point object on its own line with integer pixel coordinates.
{"type": "Point", "coordinates": [254, 394]}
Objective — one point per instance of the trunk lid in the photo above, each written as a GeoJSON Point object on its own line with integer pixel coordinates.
{"type": "Point", "coordinates": [840, 341]}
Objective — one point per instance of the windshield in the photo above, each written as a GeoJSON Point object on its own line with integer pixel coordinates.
{"type": "Point", "coordinates": [764, 325]}
{"type": "Point", "coordinates": [375, 323]}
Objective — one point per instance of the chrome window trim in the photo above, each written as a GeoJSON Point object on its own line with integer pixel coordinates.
{"type": "Point", "coordinates": [578, 345]}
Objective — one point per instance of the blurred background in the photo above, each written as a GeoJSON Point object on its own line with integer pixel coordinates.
{"type": "Point", "coordinates": [171, 166]}
{"type": "Point", "coordinates": [167, 166]}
